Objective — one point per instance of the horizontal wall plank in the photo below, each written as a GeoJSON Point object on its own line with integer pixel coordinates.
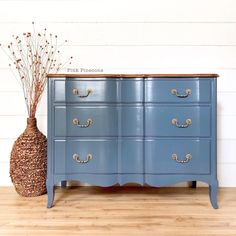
{"type": "Point", "coordinates": [130, 33]}
{"type": "Point", "coordinates": [227, 175]}
{"type": "Point", "coordinates": [6, 180]}
{"type": "Point", "coordinates": [138, 57]}
{"type": "Point", "coordinates": [226, 81]}
{"type": "Point", "coordinates": [5, 150]}
{"type": "Point", "coordinates": [13, 126]}
{"type": "Point", "coordinates": [224, 103]}
{"type": "Point", "coordinates": [226, 126]}
{"type": "Point", "coordinates": [8, 82]}
{"type": "Point", "coordinates": [15, 105]}
{"type": "Point", "coordinates": [226, 151]}
{"type": "Point", "coordinates": [122, 10]}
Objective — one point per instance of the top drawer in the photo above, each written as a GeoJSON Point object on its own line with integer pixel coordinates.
{"type": "Point", "coordinates": [97, 90]}
{"type": "Point", "coordinates": [178, 90]}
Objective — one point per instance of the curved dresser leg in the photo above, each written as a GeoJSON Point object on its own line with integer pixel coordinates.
{"type": "Point", "coordinates": [50, 190]}
{"type": "Point", "coordinates": [194, 184]}
{"type": "Point", "coordinates": [213, 188]}
{"type": "Point", "coordinates": [63, 184]}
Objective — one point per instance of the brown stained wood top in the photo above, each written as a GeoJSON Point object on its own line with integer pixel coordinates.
{"type": "Point", "coordinates": [134, 75]}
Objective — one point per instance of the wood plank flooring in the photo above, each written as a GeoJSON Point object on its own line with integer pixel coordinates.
{"type": "Point", "coordinates": [119, 211]}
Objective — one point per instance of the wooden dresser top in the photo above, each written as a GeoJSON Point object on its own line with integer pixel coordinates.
{"type": "Point", "coordinates": [133, 75]}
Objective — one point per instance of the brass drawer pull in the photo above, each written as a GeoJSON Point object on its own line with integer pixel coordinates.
{"type": "Point", "coordinates": [77, 93]}
{"type": "Point", "coordinates": [77, 158]}
{"type": "Point", "coordinates": [187, 93]}
{"type": "Point", "coordinates": [187, 123]}
{"type": "Point", "coordinates": [89, 122]}
{"type": "Point", "coordinates": [188, 157]}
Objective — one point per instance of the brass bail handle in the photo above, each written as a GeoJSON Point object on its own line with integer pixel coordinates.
{"type": "Point", "coordinates": [77, 93]}
{"type": "Point", "coordinates": [77, 158]}
{"type": "Point", "coordinates": [186, 124]}
{"type": "Point", "coordinates": [76, 122]}
{"type": "Point", "coordinates": [176, 93]}
{"type": "Point", "coordinates": [188, 157]}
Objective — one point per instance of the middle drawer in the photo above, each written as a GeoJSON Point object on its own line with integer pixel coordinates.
{"type": "Point", "coordinates": [99, 121]}
{"type": "Point", "coordinates": [177, 121]}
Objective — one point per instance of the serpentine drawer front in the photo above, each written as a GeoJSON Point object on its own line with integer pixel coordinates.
{"type": "Point", "coordinates": [86, 157]}
{"type": "Point", "coordinates": [178, 121]}
{"type": "Point", "coordinates": [98, 156]}
{"type": "Point", "coordinates": [147, 129]}
{"type": "Point", "coordinates": [187, 89]}
{"type": "Point", "coordinates": [177, 156]}
{"type": "Point", "coordinates": [84, 90]}
{"type": "Point", "coordinates": [99, 120]}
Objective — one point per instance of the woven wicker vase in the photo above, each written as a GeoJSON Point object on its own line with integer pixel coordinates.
{"type": "Point", "coordinates": [28, 163]}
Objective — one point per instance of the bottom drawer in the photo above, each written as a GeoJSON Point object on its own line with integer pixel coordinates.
{"type": "Point", "coordinates": [124, 156]}
{"type": "Point", "coordinates": [177, 156]}
{"type": "Point", "coordinates": [83, 156]}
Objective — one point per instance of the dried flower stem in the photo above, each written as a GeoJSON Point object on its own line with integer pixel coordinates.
{"type": "Point", "coordinates": [34, 57]}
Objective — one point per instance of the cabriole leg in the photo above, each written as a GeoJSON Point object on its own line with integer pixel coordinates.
{"type": "Point", "coordinates": [213, 188]}
{"type": "Point", "coordinates": [50, 190]}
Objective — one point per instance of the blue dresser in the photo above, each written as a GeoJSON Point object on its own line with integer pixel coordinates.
{"type": "Point", "coordinates": [147, 129]}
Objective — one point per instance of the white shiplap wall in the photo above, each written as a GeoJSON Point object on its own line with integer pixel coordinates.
{"type": "Point", "coordinates": [129, 36]}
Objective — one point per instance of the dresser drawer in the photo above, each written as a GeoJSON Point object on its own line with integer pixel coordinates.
{"type": "Point", "coordinates": [99, 121]}
{"type": "Point", "coordinates": [85, 156]}
{"type": "Point", "coordinates": [178, 90]}
{"type": "Point", "coordinates": [99, 90]}
{"type": "Point", "coordinates": [178, 121]}
{"type": "Point", "coordinates": [177, 156]}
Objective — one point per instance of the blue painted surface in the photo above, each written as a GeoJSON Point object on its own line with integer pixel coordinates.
{"type": "Point", "coordinates": [104, 121]}
{"type": "Point", "coordinates": [132, 137]}
{"type": "Point", "coordinates": [159, 120]}
{"type": "Point", "coordinates": [107, 120]}
{"type": "Point", "coordinates": [160, 90]}
{"type": "Point", "coordinates": [102, 90]}
{"type": "Point", "coordinates": [130, 156]}
{"type": "Point", "coordinates": [104, 156]}
{"type": "Point", "coordinates": [158, 156]}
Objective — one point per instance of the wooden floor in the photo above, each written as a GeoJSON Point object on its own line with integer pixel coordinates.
{"type": "Point", "coordinates": [119, 211]}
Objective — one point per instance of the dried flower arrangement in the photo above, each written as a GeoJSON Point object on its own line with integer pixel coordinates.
{"type": "Point", "coordinates": [34, 57]}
